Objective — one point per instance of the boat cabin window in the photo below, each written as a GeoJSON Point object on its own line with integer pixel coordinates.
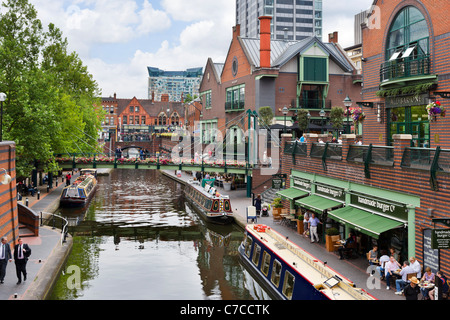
{"type": "Point", "coordinates": [248, 245]}
{"type": "Point", "coordinates": [276, 273]}
{"type": "Point", "coordinates": [256, 254]}
{"type": "Point", "coordinates": [288, 285]}
{"type": "Point", "coordinates": [265, 265]}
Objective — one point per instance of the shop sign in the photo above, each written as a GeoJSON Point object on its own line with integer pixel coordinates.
{"type": "Point", "coordinates": [430, 254]}
{"type": "Point", "coordinates": [406, 101]}
{"type": "Point", "coordinates": [440, 239]}
{"type": "Point", "coordinates": [330, 191]}
{"type": "Point", "coordinates": [301, 183]}
{"type": "Point", "coordinates": [277, 183]}
{"type": "Point", "coordinates": [380, 206]}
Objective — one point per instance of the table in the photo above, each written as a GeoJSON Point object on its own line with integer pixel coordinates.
{"type": "Point", "coordinates": [426, 285]}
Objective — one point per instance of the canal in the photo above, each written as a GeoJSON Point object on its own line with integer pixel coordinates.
{"type": "Point", "coordinates": [139, 239]}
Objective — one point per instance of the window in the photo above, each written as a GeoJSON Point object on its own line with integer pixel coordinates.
{"type": "Point", "coordinates": [235, 98]}
{"type": "Point", "coordinates": [410, 120]}
{"type": "Point", "coordinates": [256, 254]}
{"type": "Point", "coordinates": [143, 120]}
{"type": "Point", "coordinates": [276, 273]}
{"type": "Point", "coordinates": [315, 69]}
{"type": "Point", "coordinates": [131, 109]}
{"type": "Point", "coordinates": [288, 285]}
{"type": "Point", "coordinates": [136, 119]}
{"type": "Point", "coordinates": [207, 99]}
{"type": "Point", "coordinates": [265, 265]}
{"type": "Point", "coordinates": [125, 120]}
{"type": "Point", "coordinates": [408, 36]}
{"type": "Point", "coordinates": [136, 108]}
{"type": "Point", "coordinates": [248, 246]}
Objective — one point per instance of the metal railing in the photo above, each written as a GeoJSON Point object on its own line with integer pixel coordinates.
{"type": "Point", "coordinates": [51, 218]}
{"type": "Point", "coordinates": [380, 155]}
{"type": "Point", "coordinates": [403, 68]}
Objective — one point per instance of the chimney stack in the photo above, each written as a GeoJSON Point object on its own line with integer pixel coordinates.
{"type": "Point", "coordinates": [264, 38]}
{"type": "Point", "coordinates": [333, 37]}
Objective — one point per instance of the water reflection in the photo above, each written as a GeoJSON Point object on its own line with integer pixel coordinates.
{"type": "Point", "coordinates": [138, 239]}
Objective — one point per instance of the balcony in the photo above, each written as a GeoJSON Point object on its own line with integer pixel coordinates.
{"type": "Point", "coordinates": [234, 106]}
{"type": "Point", "coordinates": [404, 68]}
{"type": "Point", "coordinates": [315, 104]}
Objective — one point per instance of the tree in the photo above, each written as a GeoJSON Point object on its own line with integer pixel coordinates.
{"type": "Point", "coordinates": [265, 116]}
{"type": "Point", "coordinates": [50, 94]}
{"type": "Point", "coordinates": [302, 118]}
{"type": "Point", "coordinates": [337, 118]}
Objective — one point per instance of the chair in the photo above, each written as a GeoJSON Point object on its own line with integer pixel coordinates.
{"type": "Point", "coordinates": [350, 250]}
{"type": "Point", "coordinates": [276, 217]}
{"type": "Point", "coordinates": [335, 241]}
{"type": "Point", "coordinates": [410, 275]}
{"type": "Point", "coordinates": [251, 214]}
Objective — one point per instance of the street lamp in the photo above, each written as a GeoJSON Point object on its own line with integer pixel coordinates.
{"type": "Point", "coordinates": [322, 114]}
{"type": "Point", "coordinates": [285, 112]}
{"type": "Point", "coordinates": [2, 98]}
{"type": "Point", "coordinates": [309, 119]}
{"type": "Point", "coordinates": [348, 104]}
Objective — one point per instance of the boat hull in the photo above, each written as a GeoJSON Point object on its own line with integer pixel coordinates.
{"type": "Point", "coordinates": [303, 289]}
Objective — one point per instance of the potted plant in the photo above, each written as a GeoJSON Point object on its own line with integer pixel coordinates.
{"type": "Point", "coordinates": [300, 227]}
{"type": "Point", "coordinates": [277, 205]}
{"type": "Point", "coordinates": [227, 183]}
{"type": "Point", "coordinates": [332, 235]}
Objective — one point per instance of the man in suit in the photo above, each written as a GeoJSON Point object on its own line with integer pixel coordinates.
{"type": "Point", "coordinates": [21, 253]}
{"type": "Point", "coordinates": [5, 255]}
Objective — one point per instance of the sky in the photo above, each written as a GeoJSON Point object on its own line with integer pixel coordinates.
{"type": "Point", "coordinates": [118, 39]}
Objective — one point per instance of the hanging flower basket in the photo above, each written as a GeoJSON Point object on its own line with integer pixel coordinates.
{"type": "Point", "coordinates": [435, 109]}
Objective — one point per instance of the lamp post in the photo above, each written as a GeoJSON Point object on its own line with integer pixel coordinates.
{"type": "Point", "coordinates": [2, 98]}
{"type": "Point", "coordinates": [348, 104]}
{"type": "Point", "coordinates": [285, 112]}
{"type": "Point", "coordinates": [322, 114]}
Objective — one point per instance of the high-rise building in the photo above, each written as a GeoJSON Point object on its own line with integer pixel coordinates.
{"type": "Point", "coordinates": [291, 19]}
{"type": "Point", "coordinates": [177, 84]}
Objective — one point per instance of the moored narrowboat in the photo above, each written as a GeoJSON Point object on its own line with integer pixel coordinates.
{"type": "Point", "coordinates": [80, 191]}
{"type": "Point", "coordinates": [288, 272]}
{"type": "Point", "coordinates": [213, 207]}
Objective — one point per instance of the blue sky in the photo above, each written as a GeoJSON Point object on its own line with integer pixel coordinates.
{"type": "Point", "coordinates": [118, 39]}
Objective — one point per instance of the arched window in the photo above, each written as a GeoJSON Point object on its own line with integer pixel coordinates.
{"type": "Point", "coordinates": [408, 35]}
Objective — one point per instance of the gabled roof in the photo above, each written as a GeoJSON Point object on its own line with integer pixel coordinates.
{"type": "Point", "coordinates": [283, 51]}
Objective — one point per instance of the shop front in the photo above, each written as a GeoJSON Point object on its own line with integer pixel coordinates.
{"type": "Point", "coordinates": [300, 188]}
{"type": "Point", "coordinates": [373, 215]}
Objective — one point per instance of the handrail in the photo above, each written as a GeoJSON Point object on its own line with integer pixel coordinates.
{"type": "Point", "coordinates": [64, 224]}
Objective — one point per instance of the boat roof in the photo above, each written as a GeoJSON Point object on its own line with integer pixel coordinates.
{"type": "Point", "coordinates": [320, 275]}
{"type": "Point", "coordinates": [206, 190]}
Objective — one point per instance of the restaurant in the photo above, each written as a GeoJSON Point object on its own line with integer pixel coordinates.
{"type": "Point", "coordinates": [374, 215]}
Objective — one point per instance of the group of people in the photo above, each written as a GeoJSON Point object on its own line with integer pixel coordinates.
{"type": "Point", "coordinates": [406, 276]}
{"type": "Point", "coordinates": [21, 253]}
{"type": "Point", "coordinates": [310, 224]}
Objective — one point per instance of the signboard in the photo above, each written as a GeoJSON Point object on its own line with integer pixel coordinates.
{"type": "Point", "coordinates": [301, 183]}
{"type": "Point", "coordinates": [430, 255]}
{"type": "Point", "coordinates": [277, 183]}
{"type": "Point", "coordinates": [385, 207]}
{"type": "Point", "coordinates": [406, 101]}
{"type": "Point", "coordinates": [330, 191]}
{"type": "Point", "coordinates": [440, 239]}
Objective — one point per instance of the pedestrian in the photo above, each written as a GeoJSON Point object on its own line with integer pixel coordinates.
{"type": "Point", "coordinates": [411, 290]}
{"type": "Point", "coordinates": [305, 225]}
{"type": "Point", "coordinates": [68, 177]}
{"type": "Point", "coordinates": [118, 152]}
{"type": "Point", "coordinates": [5, 256]}
{"type": "Point", "coordinates": [21, 253]}
{"type": "Point", "coordinates": [313, 223]}
{"type": "Point", "coordinates": [257, 204]}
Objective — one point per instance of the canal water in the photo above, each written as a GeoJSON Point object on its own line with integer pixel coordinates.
{"type": "Point", "coordinates": [139, 239]}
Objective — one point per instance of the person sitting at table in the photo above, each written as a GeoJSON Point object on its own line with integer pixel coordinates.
{"type": "Point", "coordinates": [390, 267]}
{"type": "Point", "coordinates": [392, 252]}
{"type": "Point", "coordinates": [383, 259]}
{"type": "Point", "coordinates": [445, 286]}
{"type": "Point", "coordinates": [373, 255]}
{"type": "Point", "coordinates": [429, 277]}
{"type": "Point", "coordinates": [411, 290]}
{"type": "Point", "coordinates": [416, 266]}
{"type": "Point", "coordinates": [401, 283]}
{"type": "Point", "coordinates": [347, 246]}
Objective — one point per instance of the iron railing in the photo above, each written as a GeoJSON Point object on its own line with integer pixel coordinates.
{"type": "Point", "coordinates": [397, 69]}
{"type": "Point", "coordinates": [381, 155]}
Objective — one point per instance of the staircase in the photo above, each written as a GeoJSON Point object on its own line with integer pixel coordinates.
{"type": "Point", "coordinates": [268, 195]}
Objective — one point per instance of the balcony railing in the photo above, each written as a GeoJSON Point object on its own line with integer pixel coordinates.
{"type": "Point", "coordinates": [234, 105]}
{"type": "Point", "coordinates": [315, 104]}
{"type": "Point", "coordinates": [381, 155]}
{"type": "Point", "coordinates": [398, 69]}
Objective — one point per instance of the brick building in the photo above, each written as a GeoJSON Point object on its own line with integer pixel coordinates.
{"type": "Point", "coordinates": [393, 190]}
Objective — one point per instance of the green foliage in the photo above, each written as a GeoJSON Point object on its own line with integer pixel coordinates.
{"type": "Point", "coordinates": [302, 118]}
{"type": "Point", "coordinates": [265, 116]}
{"type": "Point", "coordinates": [336, 117]}
{"type": "Point", "coordinates": [277, 203]}
{"type": "Point", "coordinates": [407, 90]}
{"type": "Point", "coordinates": [51, 97]}
{"type": "Point", "coordinates": [332, 231]}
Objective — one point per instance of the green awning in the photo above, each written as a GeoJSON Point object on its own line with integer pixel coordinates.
{"type": "Point", "coordinates": [317, 203]}
{"type": "Point", "coordinates": [364, 221]}
{"type": "Point", "coordinates": [292, 193]}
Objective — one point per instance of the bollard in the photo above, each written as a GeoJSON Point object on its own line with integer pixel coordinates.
{"type": "Point", "coordinates": [48, 188]}
{"type": "Point", "coordinates": [56, 182]}
{"type": "Point", "coordinates": [15, 295]}
{"type": "Point", "coordinates": [26, 202]}
{"type": "Point", "coordinates": [38, 195]}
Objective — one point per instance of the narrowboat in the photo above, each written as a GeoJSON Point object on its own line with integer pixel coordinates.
{"type": "Point", "coordinates": [213, 207]}
{"type": "Point", "coordinates": [81, 190]}
{"type": "Point", "coordinates": [288, 272]}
